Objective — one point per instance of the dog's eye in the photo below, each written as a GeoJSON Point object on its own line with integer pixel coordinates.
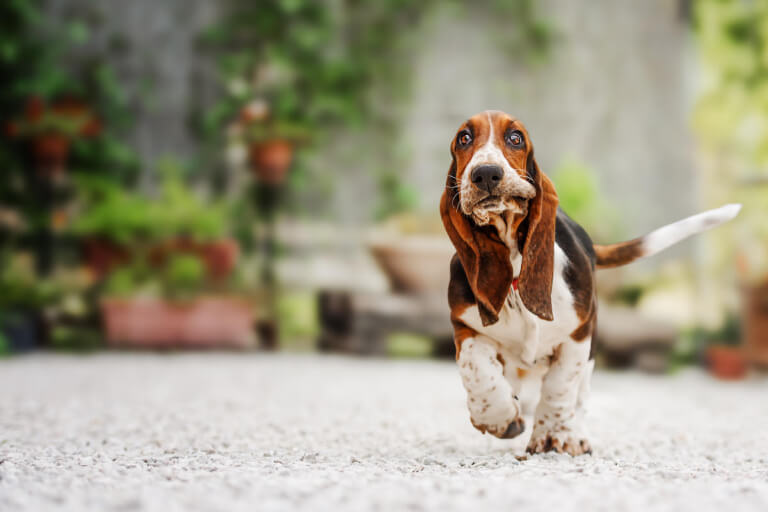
{"type": "Point", "coordinates": [515, 139]}
{"type": "Point", "coordinates": [464, 138]}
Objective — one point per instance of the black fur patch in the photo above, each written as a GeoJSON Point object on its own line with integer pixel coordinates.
{"type": "Point", "coordinates": [579, 273]}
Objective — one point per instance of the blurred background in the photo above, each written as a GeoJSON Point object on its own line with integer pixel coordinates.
{"type": "Point", "coordinates": [265, 175]}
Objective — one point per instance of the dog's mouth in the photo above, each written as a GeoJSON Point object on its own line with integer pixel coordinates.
{"type": "Point", "coordinates": [495, 205]}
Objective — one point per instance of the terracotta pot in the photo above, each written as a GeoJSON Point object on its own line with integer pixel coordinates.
{"type": "Point", "coordinates": [50, 152]}
{"type": "Point", "coordinates": [414, 264]}
{"type": "Point", "coordinates": [219, 256]}
{"type": "Point", "coordinates": [208, 322]}
{"type": "Point", "coordinates": [755, 323]}
{"type": "Point", "coordinates": [726, 362]}
{"type": "Point", "coordinates": [102, 255]}
{"type": "Point", "coordinates": [271, 159]}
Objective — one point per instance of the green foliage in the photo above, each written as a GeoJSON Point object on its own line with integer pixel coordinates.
{"type": "Point", "coordinates": [731, 123]}
{"type": "Point", "coordinates": [297, 316]}
{"type": "Point", "coordinates": [180, 277]}
{"type": "Point", "coordinates": [313, 64]}
{"type": "Point", "coordinates": [76, 338]}
{"type": "Point", "coordinates": [46, 60]}
{"type": "Point", "coordinates": [727, 334]}
{"type": "Point", "coordinates": [412, 346]}
{"type": "Point", "coordinates": [37, 59]}
{"type": "Point", "coordinates": [732, 112]}
{"type": "Point", "coordinates": [395, 196]}
{"type": "Point", "coordinates": [5, 346]}
{"type": "Point", "coordinates": [123, 281]}
{"type": "Point", "coordinates": [276, 130]}
{"type": "Point", "coordinates": [113, 213]}
{"type": "Point", "coordinates": [21, 289]}
{"type": "Point", "coordinates": [695, 341]}
{"type": "Point", "coordinates": [184, 276]}
{"type": "Point", "coordinates": [579, 196]}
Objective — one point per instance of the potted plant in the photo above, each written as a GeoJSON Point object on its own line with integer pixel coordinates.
{"type": "Point", "coordinates": [23, 301]}
{"type": "Point", "coordinates": [174, 306]}
{"type": "Point", "coordinates": [723, 354]}
{"type": "Point", "coordinates": [270, 150]}
{"type": "Point", "coordinates": [49, 130]}
{"type": "Point", "coordinates": [115, 224]}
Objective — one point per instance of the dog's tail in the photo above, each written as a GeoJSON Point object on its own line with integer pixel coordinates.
{"type": "Point", "coordinates": [615, 255]}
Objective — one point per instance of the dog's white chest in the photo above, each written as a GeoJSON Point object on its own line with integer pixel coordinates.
{"type": "Point", "coordinates": [520, 331]}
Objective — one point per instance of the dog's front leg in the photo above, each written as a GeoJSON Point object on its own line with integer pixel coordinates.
{"type": "Point", "coordinates": [557, 425]}
{"type": "Point", "coordinates": [493, 406]}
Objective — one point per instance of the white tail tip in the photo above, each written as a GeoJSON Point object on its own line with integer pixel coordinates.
{"type": "Point", "coordinates": [672, 233]}
{"type": "Point", "coordinates": [727, 212]}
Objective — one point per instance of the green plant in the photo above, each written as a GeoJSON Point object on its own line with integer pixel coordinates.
{"type": "Point", "coordinates": [5, 347]}
{"type": "Point", "coordinates": [183, 276]}
{"type": "Point", "coordinates": [297, 318]}
{"type": "Point", "coordinates": [46, 59]}
{"type": "Point", "coordinates": [577, 190]}
{"type": "Point", "coordinates": [730, 120]}
{"type": "Point", "coordinates": [179, 277]}
{"type": "Point", "coordinates": [732, 111]}
{"type": "Point", "coordinates": [411, 346]}
{"type": "Point", "coordinates": [311, 65]}
{"type": "Point", "coordinates": [696, 340]}
{"type": "Point", "coordinates": [22, 290]}
{"type": "Point", "coordinates": [268, 130]}
{"type": "Point", "coordinates": [110, 212]}
{"type": "Point", "coordinates": [44, 62]}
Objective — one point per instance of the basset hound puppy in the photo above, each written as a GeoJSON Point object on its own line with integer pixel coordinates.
{"type": "Point", "coordinates": [522, 288]}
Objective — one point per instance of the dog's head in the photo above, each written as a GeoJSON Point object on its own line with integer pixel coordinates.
{"type": "Point", "coordinates": [496, 200]}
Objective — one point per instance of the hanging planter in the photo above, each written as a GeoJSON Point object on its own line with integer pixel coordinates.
{"type": "Point", "coordinates": [270, 160]}
{"type": "Point", "coordinates": [271, 142]}
{"type": "Point", "coordinates": [49, 130]}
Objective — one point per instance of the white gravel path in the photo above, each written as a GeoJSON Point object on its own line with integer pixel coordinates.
{"type": "Point", "coordinates": [237, 432]}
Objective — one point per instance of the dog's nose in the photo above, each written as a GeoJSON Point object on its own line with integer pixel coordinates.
{"type": "Point", "coordinates": [487, 177]}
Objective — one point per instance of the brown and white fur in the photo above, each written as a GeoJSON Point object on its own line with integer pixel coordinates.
{"type": "Point", "coordinates": [522, 290]}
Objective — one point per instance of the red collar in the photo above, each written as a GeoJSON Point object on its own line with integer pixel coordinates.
{"type": "Point", "coordinates": [514, 284]}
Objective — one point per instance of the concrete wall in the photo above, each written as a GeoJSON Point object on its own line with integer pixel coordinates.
{"type": "Point", "coordinates": [152, 48]}
{"type": "Point", "coordinates": [614, 94]}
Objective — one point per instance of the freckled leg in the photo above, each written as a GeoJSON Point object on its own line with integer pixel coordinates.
{"type": "Point", "coordinates": [493, 407]}
{"type": "Point", "coordinates": [557, 422]}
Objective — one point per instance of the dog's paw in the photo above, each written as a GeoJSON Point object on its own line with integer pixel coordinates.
{"type": "Point", "coordinates": [512, 430]}
{"type": "Point", "coordinates": [561, 444]}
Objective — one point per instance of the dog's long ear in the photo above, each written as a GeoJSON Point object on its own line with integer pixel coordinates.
{"type": "Point", "coordinates": [535, 281]}
{"type": "Point", "coordinates": [485, 259]}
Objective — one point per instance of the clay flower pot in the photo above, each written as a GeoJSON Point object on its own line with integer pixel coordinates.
{"type": "Point", "coordinates": [726, 362]}
{"type": "Point", "coordinates": [271, 159]}
{"type": "Point", "coordinates": [50, 151]}
{"type": "Point", "coordinates": [102, 255]}
{"type": "Point", "coordinates": [206, 322]}
{"type": "Point", "coordinates": [48, 131]}
{"type": "Point", "coordinates": [219, 256]}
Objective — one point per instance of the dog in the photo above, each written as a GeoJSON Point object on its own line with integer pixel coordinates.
{"type": "Point", "coordinates": [522, 286]}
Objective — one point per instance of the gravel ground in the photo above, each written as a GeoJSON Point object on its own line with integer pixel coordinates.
{"type": "Point", "coordinates": [233, 432]}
